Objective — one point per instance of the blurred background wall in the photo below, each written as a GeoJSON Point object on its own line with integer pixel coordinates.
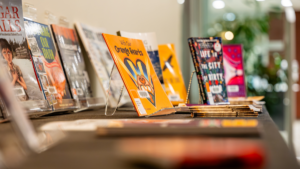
{"type": "Point", "coordinates": [160, 16]}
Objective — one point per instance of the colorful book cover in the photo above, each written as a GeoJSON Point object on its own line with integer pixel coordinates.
{"type": "Point", "coordinates": [171, 71]}
{"type": "Point", "coordinates": [73, 62]}
{"type": "Point", "coordinates": [138, 74]}
{"type": "Point", "coordinates": [151, 45]}
{"type": "Point", "coordinates": [234, 71]}
{"type": "Point", "coordinates": [207, 56]}
{"type": "Point", "coordinates": [47, 62]}
{"type": "Point", "coordinates": [102, 62]}
{"type": "Point", "coordinates": [14, 52]}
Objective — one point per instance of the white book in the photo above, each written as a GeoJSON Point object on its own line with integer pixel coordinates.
{"type": "Point", "coordinates": [102, 62]}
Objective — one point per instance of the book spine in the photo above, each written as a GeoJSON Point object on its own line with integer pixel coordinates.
{"type": "Point", "coordinates": [198, 71]}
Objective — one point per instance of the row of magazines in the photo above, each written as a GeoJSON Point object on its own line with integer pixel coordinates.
{"type": "Point", "coordinates": [45, 62]}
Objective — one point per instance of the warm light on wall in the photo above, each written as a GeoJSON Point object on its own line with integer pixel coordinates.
{"type": "Point", "coordinates": [229, 35]}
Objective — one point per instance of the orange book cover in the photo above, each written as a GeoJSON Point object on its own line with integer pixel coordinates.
{"type": "Point", "coordinates": [171, 71]}
{"type": "Point", "coordinates": [138, 74]}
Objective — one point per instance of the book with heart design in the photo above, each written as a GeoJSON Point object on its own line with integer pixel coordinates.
{"type": "Point", "coordinates": [138, 75]}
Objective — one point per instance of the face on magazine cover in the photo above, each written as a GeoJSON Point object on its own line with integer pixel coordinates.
{"type": "Point", "coordinates": [16, 73]}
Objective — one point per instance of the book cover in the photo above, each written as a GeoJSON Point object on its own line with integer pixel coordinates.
{"type": "Point", "coordinates": [138, 74]}
{"type": "Point", "coordinates": [102, 62]}
{"type": "Point", "coordinates": [151, 45]}
{"type": "Point", "coordinates": [14, 52]}
{"type": "Point", "coordinates": [234, 71]}
{"type": "Point", "coordinates": [73, 62]}
{"type": "Point", "coordinates": [208, 61]}
{"type": "Point", "coordinates": [47, 62]}
{"type": "Point", "coordinates": [173, 80]}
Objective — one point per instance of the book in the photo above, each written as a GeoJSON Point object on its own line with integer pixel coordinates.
{"type": "Point", "coordinates": [173, 80]}
{"type": "Point", "coordinates": [207, 57]}
{"type": "Point", "coordinates": [151, 45]}
{"type": "Point", "coordinates": [234, 71]}
{"type": "Point", "coordinates": [138, 75]}
{"type": "Point", "coordinates": [14, 52]}
{"type": "Point", "coordinates": [102, 62]}
{"type": "Point", "coordinates": [47, 62]}
{"type": "Point", "coordinates": [73, 62]}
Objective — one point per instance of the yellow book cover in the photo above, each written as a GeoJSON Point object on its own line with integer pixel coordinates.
{"type": "Point", "coordinates": [138, 74]}
{"type": "Point", "coordinates": [171, 71]}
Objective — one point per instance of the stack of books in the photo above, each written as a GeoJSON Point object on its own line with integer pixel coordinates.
{"type": "Point", "coordinates": [224, 111]}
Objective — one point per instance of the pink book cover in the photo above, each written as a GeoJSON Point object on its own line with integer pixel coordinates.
{"type": "Point", "coordinates": [234, 70]}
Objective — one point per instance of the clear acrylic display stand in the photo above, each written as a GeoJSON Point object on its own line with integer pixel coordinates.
{"type": "Point", "coordinates": [90, 104]}
{"type": "Point", "coordinates": [68, 105]}
{"type": "Point", "coordinates": [50, 18]}
{"type": "Point", "coordinates": [29, 11]}
{"type": "Point", "coordinates": [64, 21]}
{"type": "Point", "coordinates": [189, 89]}
{"type": "Point", "coordinates": [107, 95]}
{"type": "Point", "coordinates": [165, 111]}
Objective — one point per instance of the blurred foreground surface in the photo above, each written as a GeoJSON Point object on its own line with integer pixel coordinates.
{"type": "Point", "coordinates": [87, 150]}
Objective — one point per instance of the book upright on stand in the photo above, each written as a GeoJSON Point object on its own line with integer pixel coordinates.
{"type": "Point", "coordinates": [73, 62]}
{"type": "Point", "coordinates": [172, 75]}
{"type": "Point", "coordinates": [138, 75]}
{"type": "Point", "coordinates": [15, 56]}
{"type": "Point", "coordinates": [207, 57]}
{"type": "Point", "coordinates": [47, 63]}
{"type": "Point", "coordinates": [234, 71]}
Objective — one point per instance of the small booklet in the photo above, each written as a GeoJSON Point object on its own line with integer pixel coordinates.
{"type": "Point", "coordinates": [139, 77]}
{"type": "Point", "coordinates": [234, 71]}
{"type": "Point", "coordinates": [171, 71]}
{"type": "Point", "coordinates": [207, 56]}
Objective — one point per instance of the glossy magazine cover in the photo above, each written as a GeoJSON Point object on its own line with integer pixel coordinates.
{"type": "Point", "coordinates": [138, 74]}
{"type": "Point", "coordinates": [171, 71]}
{"type": "Point", "coordinates": [73, 62]}
{"type": "Point", "coordinates": [14, 52]}
{"type": "Point", "coordinates": [102, 62]}
{"type": "Point", "coordinates": [234, 71]}
{"type": "Point", "coordinates": [47, 62]}
{"type": "Point", "coordinates": [151, 45]}
{"type": "Point", "coordinates": [207, 56]}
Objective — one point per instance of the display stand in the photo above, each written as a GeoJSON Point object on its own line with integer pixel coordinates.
{"type": "Point", "coordinates": [107, 95]}
{"type": "Point", "coordinates": [189, 89]}
{"type": "Point", "coordinates": [64, 21]}
{"type": "Point", "coordinates": [50, 18]}
{"type": "Point", "coordinates": [65, 105]}
{"type": "Point", "coordinates": [90, 103]}
{"type": "Point", "coordinates": [29, 11]}
{"type": "Point", "coordinates": [164, 111]}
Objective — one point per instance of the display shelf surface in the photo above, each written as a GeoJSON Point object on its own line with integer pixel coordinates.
{"type": "Point", "coordinates": [86, 150]}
